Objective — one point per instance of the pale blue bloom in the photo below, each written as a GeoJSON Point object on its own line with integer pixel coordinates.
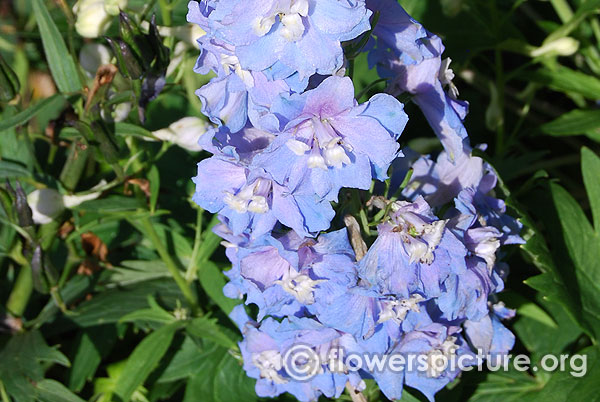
{"type": "Point", "coordinates": [328, 141]}
{"type": "Point", "coordinates": [414, 253]}
{"type": "Point", "coordinates": [266, 345]}
{"type": "Point", "coordinates": [285, 275]}
{"type": "Point", "coordinates": [303, 35]}
{"type": "Point", "coordinates": [410, 57]}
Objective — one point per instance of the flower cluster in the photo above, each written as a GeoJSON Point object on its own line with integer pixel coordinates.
{"type": "Point", "coordinates": [288, 136]}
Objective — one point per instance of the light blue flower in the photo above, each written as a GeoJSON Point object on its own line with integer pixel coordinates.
{"type": "Point", "coordinates": [268, 351]}
{"type": "Point", "coordinates": [285, 275]}
{"type": "Point", "coordinates": [410, 57]}
{"type": "Point", "coordinates": [248, 198]}
{"type": "Point", "coordinates": [302, 35]}
{"type": "Point", "coordinates": [414, 253]}
{"type": "Point", "coordinates": [328, 141]}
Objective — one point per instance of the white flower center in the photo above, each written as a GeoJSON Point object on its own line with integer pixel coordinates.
{"type": "Point", "coordinates": [299, 285]}
{"type": "Point", "coordinates": [269, 363]}
{"type": "Point", "coordinates": [397, 310]}
{"type": "Point", "coordinates": [446, 75]}
{"type": "Point", "coordinates": [251, 198]}
{"type": "Point", "coordinates": [327, 148]}
{"type": "Point", "coordinates": [438, 360]}
{"type": "Point", "coordinates": [291, 20]}
{"type": "Point", "coordinates": [231, 63]}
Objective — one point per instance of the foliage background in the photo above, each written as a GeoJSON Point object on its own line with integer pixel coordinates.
{"type": "Point", "coordinates": [123, 299]}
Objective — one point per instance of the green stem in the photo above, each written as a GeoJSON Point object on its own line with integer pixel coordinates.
{"type": "Point", "coordinates": [563, 10]}
{"type": "Point", "coordinates": [73, 168]}
{"type": "Point", "coordinates": [207, 245]}
{"type": "Point", "coordinates": [172, 266]}
{"type": "Point", "coordinates": [193, 265]}
{"type": "Point", "coordinates": [165, 12]}
{"type": "Point", "coordinates": [3, 393]}
{"type": "Point", "coordinates": [19, 297]}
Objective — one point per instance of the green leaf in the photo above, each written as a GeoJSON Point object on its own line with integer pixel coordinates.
{"type": "Point", "coordinates": [53, 391]}
{"type": "Point", "coordinates": [187, 359]}
{"type": "Point", "coordinates": [127, 130]}
{"type": "Point", "coordinates": [21, 364]}
{"type": "Point", "coordinates": [564, 79]}
{"type": "Point", "coordinates": [590, 168]}
{"type": "Point", "coordinates": [91, 346]}
{"type": "Point", "coordinates": [208, 328]}
{"type": "Point", "coordinates": [220, 378]}
{"type": "Point", "coordinates": [113, 304]}
{"type": "Point", "coordinates": [505, 386]}
{"type": "Point", "coordinates": [153, 314]}
{"type": "Point", "coordinates": [541, 339]}
{"type": "Point", "coordinates": [61, 63]}
{"type": "Point", "coordinates": [154, 179]}
{"type": "Point", "coordinates": [144, 360]}
{"type": "Point", "coordinates": [563, 386]}
{"type": "Point", "coordinates": [12, 170]}
{"type": "Point", "coordinates": [576, 122]}
{"type": "Point", "coordinates": [586, 8]}
{"type": "Point", "coordinates": [138, 271]}
{"type": "Point", "coordinates": [50, 103]}
{"type": "Point", "coordinates": [583, 244]}
{"type": "Point", "coordinates": [212, 281]}
{"type": "Point", "coordinates": [115, 203]}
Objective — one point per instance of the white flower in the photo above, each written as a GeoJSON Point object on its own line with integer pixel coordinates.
{"type": "Point", "coordinates": [46, 204]}
{"type": "Point", "coordinates": [185, 133]}
{"type": "Point", "coordinates": [115, 113]}
{"type": "Point", "coordinates": [94, 16]}
{"type": "Point", "coordinates": [561, 47]}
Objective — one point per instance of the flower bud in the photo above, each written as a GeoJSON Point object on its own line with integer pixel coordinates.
{"type": "Point", "coordinates": [185, 133]}
{"type": "Point", "coordinates": [559, 47]}
{"type": "Point", "coordinates": [156, 44]}
{"type": "Point", "coordinates": [127, 61]}
{"type": "Point", "coordinates": [9, 83]}
{"type": "Point", "coordinates": [47, 204]}
{"type": "Point", "coordinates": [94, 16]}
{"type": "Point", "coordinates": [137, 41]}
{"type": "Point", "coordinates": [114, 7]}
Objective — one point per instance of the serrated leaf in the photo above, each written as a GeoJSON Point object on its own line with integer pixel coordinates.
{"type": "Point", "coordinates": [144, 360]}
{"type": "Point", "coordinates": [113, 304]}
{"type": "Point", "coordinates": [541, 339]}
{"type": "Point", "coordinates": [505, 386]}
{"type": "Point", "coordinates": [59, 59]}
{"type": "Point", "coordinates": [27, 114]}
{"type": "Point", "coordinates": [153, 314]}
